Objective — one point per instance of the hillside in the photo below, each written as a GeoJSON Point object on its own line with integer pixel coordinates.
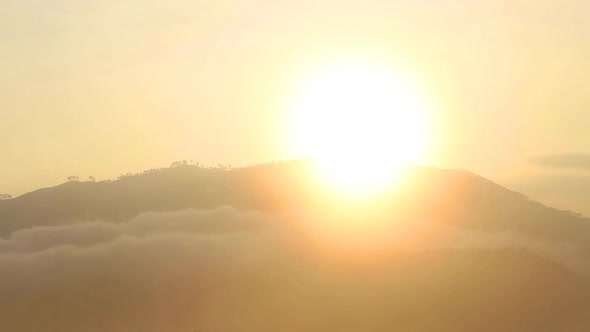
{"type": "Point", "coordinates": [454, 197]}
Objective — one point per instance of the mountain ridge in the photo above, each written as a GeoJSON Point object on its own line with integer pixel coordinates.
{"type": "Point", "coordinates": [456, 196]}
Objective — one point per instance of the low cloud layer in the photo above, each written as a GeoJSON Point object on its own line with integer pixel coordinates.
{"type": "Point", "coordinates": [575, 257]}
{"type": "Point", "coordinates": [214, 270]}
{"type": "Point", "coordinates": [158, 272]}
{"type": "Point", "coordinates": [567, 161]}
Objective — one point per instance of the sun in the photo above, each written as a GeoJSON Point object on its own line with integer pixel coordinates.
{"type": "Point", "coordinates": [361, 122]}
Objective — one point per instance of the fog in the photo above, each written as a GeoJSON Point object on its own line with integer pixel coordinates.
{"type": "Point", "coordinates": [210, 270]}
{"type": "Point", "coordinates": [155, 273]}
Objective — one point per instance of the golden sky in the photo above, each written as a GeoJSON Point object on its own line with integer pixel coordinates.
{"type": "Point", "coordinates": [108, 87]}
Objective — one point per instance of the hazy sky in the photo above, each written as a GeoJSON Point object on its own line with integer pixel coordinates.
{"type": "Point", "coordinates": [105, 87]}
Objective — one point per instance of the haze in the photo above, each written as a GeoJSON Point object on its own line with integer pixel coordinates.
{"type": "Point", "coordinates": [294, 166]}
{"type": "Point", "coordinates": [110, 87]}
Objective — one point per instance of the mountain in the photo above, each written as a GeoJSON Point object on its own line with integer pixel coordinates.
{"type": "Point", "coordinates": [453, 197]}
{"type": "Point", "coordinates": [267, 248]}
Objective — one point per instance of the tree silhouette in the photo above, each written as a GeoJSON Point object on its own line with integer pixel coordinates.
{"type": "Point", "coordinates": [73, 178]}
{"type": "Point", "coordinates": [179, 163]}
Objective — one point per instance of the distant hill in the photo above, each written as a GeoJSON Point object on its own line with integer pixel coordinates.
{"type": "Point", "coordinates": [259, 187]}
{"type": "Point", "coordinates": [454, 197]}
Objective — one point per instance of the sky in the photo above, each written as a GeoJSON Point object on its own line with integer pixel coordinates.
{"type": "Point", "coordinates": [107, 87]}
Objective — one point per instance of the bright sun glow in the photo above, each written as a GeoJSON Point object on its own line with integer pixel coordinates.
{"type": "Point", "coordinates": [360, 122]}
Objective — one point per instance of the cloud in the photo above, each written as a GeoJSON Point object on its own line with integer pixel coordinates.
{"type": "Point", "coordinates": [158, 272]}
{"type": "Point", "coordinates": [211, 270]}
{"type": "Point", "coordinates": [571, 255]}
{"type": "Point", "coordinates": [220, 222]}
{"type": "Point", "coordinates": [566, 160]}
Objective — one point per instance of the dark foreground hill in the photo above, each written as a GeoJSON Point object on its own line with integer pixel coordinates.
{"type": "Point", "coordinates": [460, 291]}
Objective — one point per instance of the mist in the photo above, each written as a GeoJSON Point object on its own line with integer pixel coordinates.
{"type": "Point", "coordinates": [224, 269]}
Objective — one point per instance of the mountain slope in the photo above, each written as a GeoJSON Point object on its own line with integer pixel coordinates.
{"type": "Point", "coordinates": [225, 269]}
{"type": "Point", "coordinates": [448, 196]}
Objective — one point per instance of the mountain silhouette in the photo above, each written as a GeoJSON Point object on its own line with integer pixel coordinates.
{"type": "Point", "coordinates": [454, 197]}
